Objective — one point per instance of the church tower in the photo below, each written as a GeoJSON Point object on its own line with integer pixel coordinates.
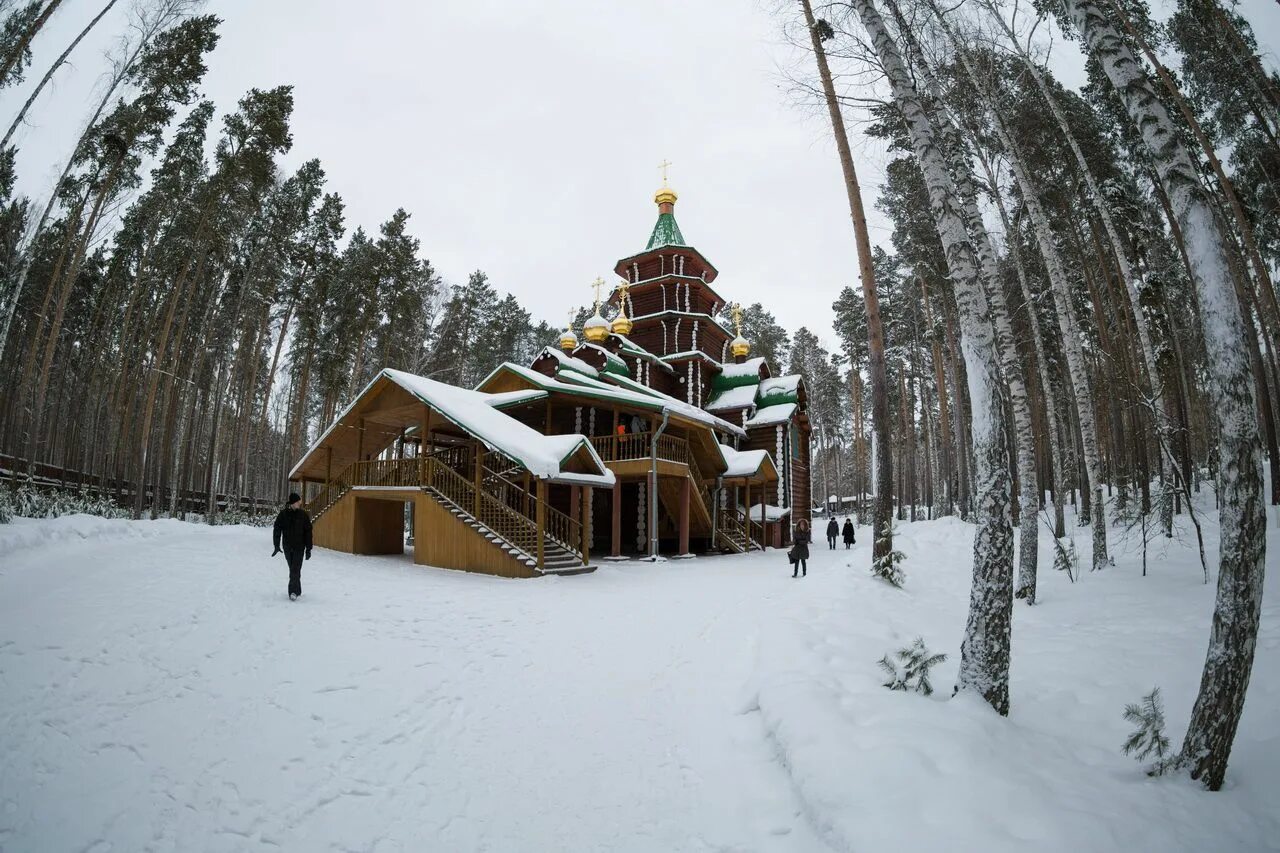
{"type": "Point", "coordinates": [671, 305]}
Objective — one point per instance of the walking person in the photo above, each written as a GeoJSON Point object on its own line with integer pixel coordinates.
{"type": "Point", "coordinates": [293, 526]}
{"type": "Point", "coordinates": [833, 530]}
{"type": "Point", "coordinates": [800, 550]}
{"type": "Point", "coordinates": [849, 538]}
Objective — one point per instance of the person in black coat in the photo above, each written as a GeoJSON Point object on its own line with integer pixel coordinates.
{"type": "Point", "coordinates": [293, 526]}
{"type": "Point", "coordinates": [833, 530]}
{"type": "Point", "coordinates": [849, 538]}
{"type": "Point", "coordinates": [800, 550]}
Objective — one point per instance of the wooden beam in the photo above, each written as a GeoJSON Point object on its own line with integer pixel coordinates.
{"type": "Point", "coordinates": [360, 443]}
{"type": "Point", "coordinates": [328, 467]}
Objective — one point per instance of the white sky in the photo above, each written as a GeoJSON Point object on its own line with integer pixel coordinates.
{"type": "Point", "coordinates": [524, 137]}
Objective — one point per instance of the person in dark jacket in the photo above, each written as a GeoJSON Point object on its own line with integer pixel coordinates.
{"type": "Point", "coordinates": [849, 538]}
{"type": "Point", "coordinates": [800, 550]}
{"type": "Point", "coordinates": [833, 530]}
{"type": "Point", "coordinates": [293, 527]}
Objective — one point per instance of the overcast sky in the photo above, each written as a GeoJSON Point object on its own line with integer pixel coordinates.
{"type": "Point", "coordinates": [524, 138]}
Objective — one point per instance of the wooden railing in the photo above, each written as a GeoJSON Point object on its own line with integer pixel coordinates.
{"type": "Point", "coordinates": [501, 505]}
{"type": "Point", "coordinates": [636, 445]}
{"type": "Point", "coordinates": [731, 529]}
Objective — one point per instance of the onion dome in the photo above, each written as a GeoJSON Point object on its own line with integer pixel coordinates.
{"type": "Point", "coordinates": [739, 347]}
{"type": "Point", "coordinates": [596, 328]}
{"type": "Point", "coordinates": [568, 340]}
{"type": "Point", "coordinates": [666, 195]}
{"type": "Point", "coordinates": [622, 323]}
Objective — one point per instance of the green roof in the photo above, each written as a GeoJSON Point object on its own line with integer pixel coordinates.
{"type": "Point", "coordinates": [665, 233]}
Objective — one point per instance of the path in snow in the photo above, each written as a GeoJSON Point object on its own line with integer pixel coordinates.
{"type": "Point", "coordinates": [162, 693]}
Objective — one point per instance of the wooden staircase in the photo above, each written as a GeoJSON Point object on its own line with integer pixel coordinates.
{"type": "Point", "coordinates": [501, 511]}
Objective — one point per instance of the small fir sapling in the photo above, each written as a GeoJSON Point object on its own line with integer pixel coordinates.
{"type": "Point", "coordinates": [911, 669]}
{"type": "Point", "coordinates": [889, 567]}
{"type": "Point", "coordinates": [1148, 739]}
{"type": "Point", "coordinates": [1064, 554]}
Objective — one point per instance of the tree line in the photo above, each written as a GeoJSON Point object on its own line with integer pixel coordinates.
{"type": "Point", "coordinates": [183, 313]}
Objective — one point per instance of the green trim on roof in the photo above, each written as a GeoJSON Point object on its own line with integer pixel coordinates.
{"type": "Point", "coordinates": [665, 233]}
{"type": "Point", "coordinates": [721, 383]}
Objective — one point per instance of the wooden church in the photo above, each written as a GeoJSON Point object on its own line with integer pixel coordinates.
{"type": "Point", "coordinates": [653, 435]}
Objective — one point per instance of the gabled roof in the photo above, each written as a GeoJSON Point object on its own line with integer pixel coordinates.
{"type": "Point", "coordinates": [564, 458]}
{"type": "Point", "coordinates": [748, 464]}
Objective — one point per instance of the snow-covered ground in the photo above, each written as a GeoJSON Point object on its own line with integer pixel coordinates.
{"type": "Point", "coordinates": [159, 692]}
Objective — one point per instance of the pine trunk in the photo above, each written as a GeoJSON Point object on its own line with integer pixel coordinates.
{"type": "Point", "coordinates": [882, 515]}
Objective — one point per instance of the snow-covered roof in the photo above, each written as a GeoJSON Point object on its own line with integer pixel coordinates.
{"type": "Point", "coordinates": [612, 363]}
{"type": "Point", "coordinates": [569, 362]}
{"type": "Point", "coordinates": [621, 389]}
{"type": "Point", "coordinates": [750, 367]}
{"type": "Point", "coordinates": [478, 415]}
{"type": "Point", "coordinates": [732, 398]}
{"type": "Point", "coordinates": [743, 463]}
{"type": "Point", "coordinates": [780, 389]}
{"type": "Point", "coordinates": [473, 412]}
{"type": "Point", "coordinates": [771, 512]}
{"type": "Point", "coordinates": [771, 415]}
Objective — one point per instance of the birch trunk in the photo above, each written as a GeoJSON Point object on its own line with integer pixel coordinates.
{"type": "Point", "coordinates": [1242, 548]}
{"type": "Point", "coordinates": [984, 654]}
{"type": "Point", "coordinates": [957, 157]}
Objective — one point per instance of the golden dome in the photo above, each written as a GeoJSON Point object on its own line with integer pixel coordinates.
{"type": "Point", "coordinates": [621, 324]}
{"type": "Point", "coordinates": [568, 340]}
{"type": "Point", "coordinates": [596, 328]}
{"type": "Point", "coordinates": [739, 347]}
{"type": "Point", "coordinates": [666, 195]}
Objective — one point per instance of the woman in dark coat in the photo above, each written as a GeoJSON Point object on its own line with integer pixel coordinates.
{"type": "Point", "coordinates": [800, 550]}
{"type": "Point", "coordinates": [833, 530]}
{"type": "Point", "coordinates": [849, 538]}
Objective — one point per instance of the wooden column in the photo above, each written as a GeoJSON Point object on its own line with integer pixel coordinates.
{"type": "Point", "coordinates": [764, 528]}
{"type": "Point", "coordinates": [424, 444]}
{"type": "Point", "coordinates": [615, 437]}
{"type": "Point", "coordinates": [575, 505]}
{"type": "Point", "coordinates": [615, 543]}
{"type": "Point", "coordinates": [328, 467]}
{"type": "Point", "coordinates": [479, 468]}
{"type": "Point", "coordinates": [586, 525]}
{"type": "Point", "coordinates": [360, 443]}
{"type": "Point", "coordinates": [684, 516]}
{"type": "Point", "coordinates": [542, 523]}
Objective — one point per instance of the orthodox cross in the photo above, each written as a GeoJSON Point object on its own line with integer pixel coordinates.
{"type": "Point", "coordinates": [663, 166]}
{"type": "Point", "coordinates": [736, 311]}
{"type": "Point", "coordinates": [621, 289]}
{"type": "Point", "coordinates": [597, 284]}
{"type": "Point", "coordinates": [572, 315]}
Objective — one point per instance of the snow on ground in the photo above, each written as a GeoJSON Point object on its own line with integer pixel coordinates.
{"type": "Point", "coordinates": [159, 692]}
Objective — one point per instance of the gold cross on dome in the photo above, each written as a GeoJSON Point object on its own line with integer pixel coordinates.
{"type": "Point", "coordinates": [622, 288]}
{"type": "Point", "coordinates": [663, 166]}
{"type": "Point", "coordinates": [572, 314]}
{"type": "Point", "coordinates": [598, 284]}
{"type": "Point", "coordinates": [736, 311]}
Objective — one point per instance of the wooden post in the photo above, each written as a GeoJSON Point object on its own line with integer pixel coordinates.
{"type": "Point", "coordinates": [328, 467]}
{"type": "Point", "coordinates": [586, 525]}
{"type": "Point", "coordinates": [542, 523]}
{"type": "Point", "coordinates": [360, 443]}
{"type": "Point", "coordinates": [615, 544]}
{"type": "Point", "coordinates": [685, 488]}
{"type": "Point", "coordinates": [424, 444]}
{"type": "Point", "coordinates": [764, 491]}
{"type": "Point", "coordinates": [479, 468]}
